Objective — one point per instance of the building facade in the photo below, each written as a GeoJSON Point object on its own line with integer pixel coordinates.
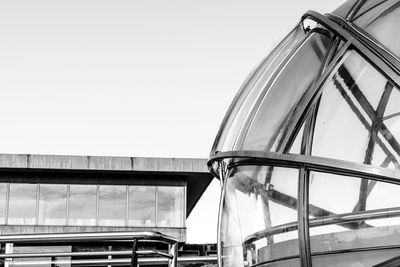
{"type": "Point", "coordinates": [55, 194]}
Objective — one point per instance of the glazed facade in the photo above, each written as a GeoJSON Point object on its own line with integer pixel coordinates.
{"type": "Point", "coordinates": [309, 154]}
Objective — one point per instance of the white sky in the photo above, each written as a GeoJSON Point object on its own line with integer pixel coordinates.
{"type": "Point", "coordinates": [132, 78]}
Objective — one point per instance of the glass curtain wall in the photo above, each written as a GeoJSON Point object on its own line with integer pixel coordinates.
{"type": "Point", "coordinates": [92, 205]}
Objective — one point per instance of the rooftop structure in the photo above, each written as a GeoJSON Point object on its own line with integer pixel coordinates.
{"type": "Point", "coordinates": [309, 152]}
{"type": "Point", "coordinates": [54, 194]}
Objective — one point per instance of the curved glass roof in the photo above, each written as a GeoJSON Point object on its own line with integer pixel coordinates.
{"type": "Point", "coordinates": [298, 76]}
{"type": "Point", "coordinates": [309, 150]}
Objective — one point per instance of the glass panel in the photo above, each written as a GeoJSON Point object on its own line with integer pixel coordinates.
{"type": "Point", "coordinates": [344, 9]}
{"type": "Point", "coordinates": [342, 197]}
{"type": "Point", "coordinates": [296, 146]}
{"type": "Point", "coordinates": [252, 87]}
{"type": "Point", "coordinates": [3, 202]}
{"type": "Point", "coordinates": [170, 206]}
{"type": "Point", "coordinates": [52, 204]}
{"type": "Point", "coordinates": [142, 206]}
{"type": "Point", "coordinates": [22, 205]}
{"type": "Point", "coordinates": [393, 108]}
{"type": "Point", "coordinates": [349, 121]}
{"type": "Point", "coordinates": [371, 8]}
{"type": "Point", "coordinates": [256, 199]}
{"type": "Point", "coordinates": [286, 97]}
{"type": "Point", "coordinates": [82, 205]}
{"type": "Point", "coordinates": [112, 203]}
{"type": "Point", "coordinates": [382, 24]}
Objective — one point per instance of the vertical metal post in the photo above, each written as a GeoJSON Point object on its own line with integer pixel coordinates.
{"type": "Point", "coordinates": [173, 250]}
{"type": "Point", "coordinates": [303, 211]}
{"type": "Point", "coordinates": [222, 174]}
{"type": "Point", "coordinates": [134, 258]}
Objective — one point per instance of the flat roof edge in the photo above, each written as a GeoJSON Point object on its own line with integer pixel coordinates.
{"type": "Point", "coordinates": [66, 162]}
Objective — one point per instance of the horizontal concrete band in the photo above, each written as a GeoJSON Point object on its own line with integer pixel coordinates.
{"type": "Point", "coordinates": [30, 161]}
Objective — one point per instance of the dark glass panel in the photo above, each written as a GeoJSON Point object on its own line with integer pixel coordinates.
{"type": "Point", "coordinates": [52, 204]}
{"type": "Point", "coordinates": [82, 205]}
{"type": "Point", "coordinates": [170, 206]}
{"type": "Point", "coordinates": [112, 205]}
{"type": "Point", "coordinates": [22, 204]}
{"type": "Point", "coordinates": [142, 206]}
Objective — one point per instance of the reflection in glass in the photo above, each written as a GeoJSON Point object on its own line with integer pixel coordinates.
{"type": "Point", "coordinates": [112, 203]}
{"type": "Point", "coordinates": [3, 202]}
{"type": "Point", "coordinates": [52, 204]}
{"type": "Point", "coordinates": [256, 199]}
{"type": "Point", "coordinates": [382, 24]}
{"type": "Point", "coordinates": [268, 128]}
{"type": "Point", "coordinates": [350, 123]}
{"type": "Point", "coordinates": [142, 206]}
{"type": "Point", "coordinates": [335, 195]}
{"type": "Point", "coordinates": [170, 206]}
{"type": "Point", "coordinates": [82, 205]}
{"type": "Point", "coordinates": [255, 84]}
{"type": "Point", "coordinates": [22, 204]}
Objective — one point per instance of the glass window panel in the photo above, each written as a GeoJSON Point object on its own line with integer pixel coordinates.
{"type": "Point", "coordinates": [383, 25]}
{"type": "Point", "coordinates": [348, 124]}
{"type": "Point", "coordinates": [142, 206]}
{"type": "Point", "coordinates": [370, 10]}
{"type": "Point", "coordinates": [256, 199]}
{"type": "Point", "coordinates": [112, 205]}
{"type": "Point", "coordinates": [334, 195]}
{"type": "Point", "coordinates": [82, 205]}
{"type": "Point", "coordinates": [393, 125]}
{"type": "Point", "coordinates": [269, 127]}
{"type": "Point", "coordinates": [170, 206]}
{"type": "Point", "coordinates": [22, 204]}
{"type": "Point", "coordinates": [296, 146]}
{"type": "Point", "coordinates": [52, 204]}
{"type": "Point", "coordinates": [392, 107]}
{"type": "Point", "coordinates": [3, 202]}
{"type": "Point", "coordinates": [253, 86]}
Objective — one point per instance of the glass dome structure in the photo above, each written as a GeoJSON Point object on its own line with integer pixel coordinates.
{"type": "Point", "coordinates": [308, 153]}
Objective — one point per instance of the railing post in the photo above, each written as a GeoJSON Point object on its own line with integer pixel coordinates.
{"type": "Point", "coordinates": [134, 259]}
{"type": "Point", "coordinates": [9, 250]}
{"type": "Point", "coordinates": [173, 250]}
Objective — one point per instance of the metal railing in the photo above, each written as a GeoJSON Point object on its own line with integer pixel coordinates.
{"type": "Point", "coordinates": [133, 257]}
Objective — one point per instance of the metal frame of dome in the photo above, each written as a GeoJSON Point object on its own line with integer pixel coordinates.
{"type": "Point", "coordinates": [357, 39]}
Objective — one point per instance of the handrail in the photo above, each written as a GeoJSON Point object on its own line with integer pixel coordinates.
{"type": "Point", "coordinates": [327, 220]}
{"type": "Point", "coordinates": [117, 262]}
{"type": "Point", "coordinates": [86, 237]}
{"type": "Point", "coordinates": [67, 238]}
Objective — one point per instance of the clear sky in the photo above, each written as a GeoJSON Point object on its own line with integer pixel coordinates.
{"type": "Point", "coordinates": [132, 78]}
